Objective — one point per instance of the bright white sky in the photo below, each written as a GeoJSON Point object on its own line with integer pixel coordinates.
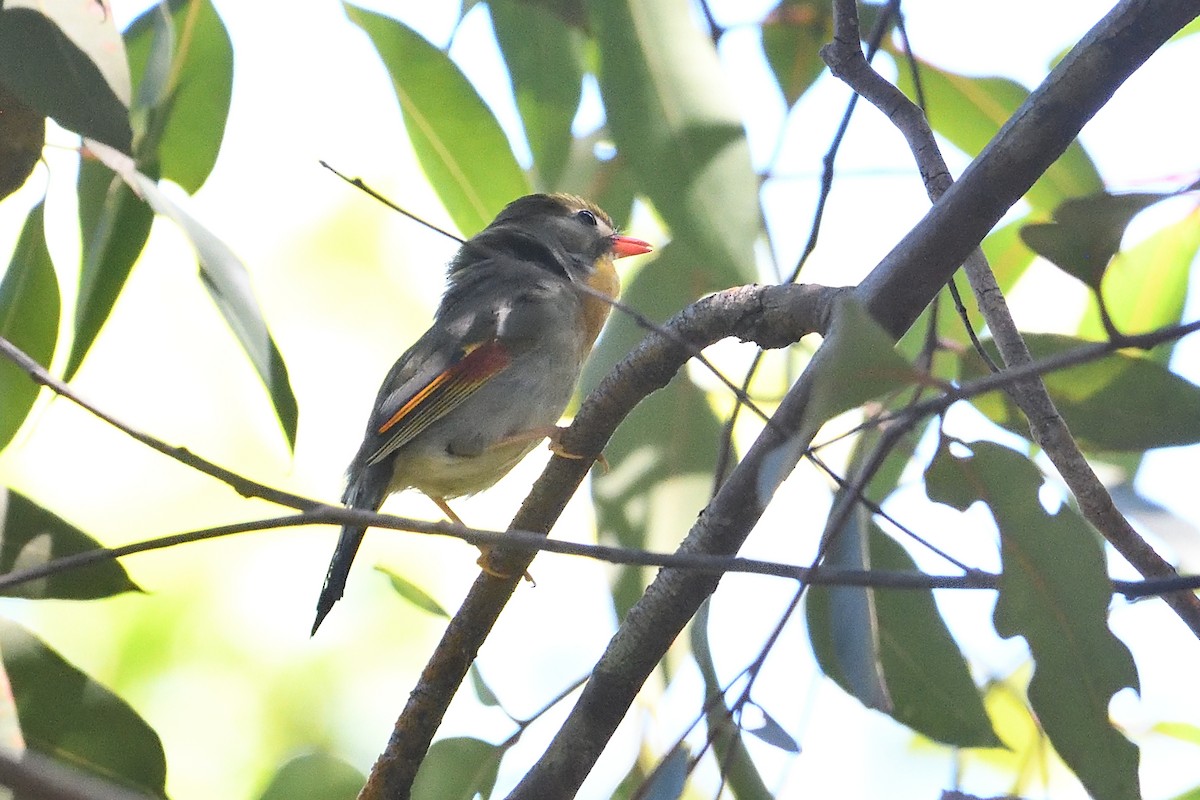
{"type": "Point", "coordinates": [312, 88]}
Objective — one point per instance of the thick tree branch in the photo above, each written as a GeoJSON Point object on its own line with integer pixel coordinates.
{"type": "Point", "coordinates": [1046, 425]}
{"type": "Point", "coordinates": [772, 316]}
{"type": "Point", "coordinates": [895, 293]}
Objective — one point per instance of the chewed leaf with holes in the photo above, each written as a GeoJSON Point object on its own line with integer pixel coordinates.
{"type": "Point", "coordinates": [1054, 592]}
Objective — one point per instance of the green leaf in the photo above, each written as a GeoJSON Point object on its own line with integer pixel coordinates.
{"type": "Point", "coordinates": [457, 768]}
{"type": "Point", "coordinates": [543, 60]}
{"type": "Point", "coordinates": [114, 225]}
{"type": "Point", "coordinates": [314, 776]}
{"type": "Point", "coordinates": [792, 36]}
{"type": "Point", "coordinates": [669, 777]}
{"type": "Point", "coordinates": [773, 733]}
{"type": "Point", "coordinates": [927, 678]}
{"type": "Point", "coordinates": [1145, 286]}
{"type": "Point", "coordinates": [66, 60]}
{"type": "Point", "coordinates": [674, 115]}
{"type": "Point", "coordinates": [226, 279]}
{"type": "Point", "coordinates": [860, 363]}
{"type": "Point", "coordinates": [22, 135]}
{"type": "Point", "coordinates": [66, 715]}
{"type": "Point", "coordinates": [31, 536]}
{"type": "Point", "coordinates": [414, 594]}
{"type": "Point", "coordinates": [1054, 592]}
{"type": "Point", "coordinates": [1086, 232]}
{"type": "Point", "coordinates": [1123, 401]}
{"type": "Point", "coordinates": [609, 183]}
{"type": "Point", "coordinates": [186, 131]}
{"type": "Point", "coordinates": [660, 474]}
{"type": "Point", "coordinates": [29, 314]}
{"type": "Point", "coordinates": [456, 137]}
{"type": "Point", "coordinates": [970, 111]}
{"type": "Point", "coordinates": [482, 690]}
{"type": "Point", "coordinates": [1183, 731]}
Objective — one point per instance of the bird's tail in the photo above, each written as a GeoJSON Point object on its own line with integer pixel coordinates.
{"type": "Point", "coordinates": [364, 491]}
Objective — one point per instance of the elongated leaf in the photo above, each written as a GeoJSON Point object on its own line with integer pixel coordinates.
{"type": "Point", "coordinates": [114, 226]}
{"type": "Point", "coordinates": [228, 282]}
{"type": "Point", "coordinates": [1086, 232]}
{"type": "Point", "coordinates": [456, 137]}
{"type": "Point", "coordinates": [1121, 402]}
{"type": "Point", "coordinates": [1054, 592]}
{"type": "Point", "coordinates": [68, 716]}
{"type": "Point", "coordinates": [30, 536]}
{"type": "Point", "coordinates": [927, 678]}
{"type": "Point", "coordinates": [66, 60]}
{"type": "Point", "coordinates": [543, 58]}
{"type": "Point", "coordinates": [414, 594]}
{"type": "Point", "coordinates": [737, 768]}
{"type": "Point", "coordinates": [188, 122]}
{"type": "Point", "coordinates": [970, 111]}
{"type": "Point", "coordinates": [314, 776]}
{"type": "Point", "coordinates": [669, 777]}
{"type": "Point", "coordinates": [457, 768]}
{"type": "Point", "coordinates": [29, 314]}
{"type": "Point", "coordinates": [673, 114]}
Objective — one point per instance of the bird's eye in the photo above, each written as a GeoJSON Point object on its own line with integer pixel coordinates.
{"type": "Point", "coordinates": [588, 217]}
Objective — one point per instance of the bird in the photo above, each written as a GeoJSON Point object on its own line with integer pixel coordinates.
{"type": "Point", "coordinates": [525, 299]}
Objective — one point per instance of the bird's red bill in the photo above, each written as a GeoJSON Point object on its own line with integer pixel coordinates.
{"type": "Point", "coordinates": [628, 246]}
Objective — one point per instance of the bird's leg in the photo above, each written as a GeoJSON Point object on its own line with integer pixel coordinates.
{"type": "Point", "coordinates": [482, 561]}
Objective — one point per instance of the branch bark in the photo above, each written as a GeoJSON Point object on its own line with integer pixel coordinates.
{"type": "Point", "coordinates": [895, 293]}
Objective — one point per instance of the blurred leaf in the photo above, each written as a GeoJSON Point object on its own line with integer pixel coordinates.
{"type": "Point", "coordinates": [1190, 794]}
{"type": "Point", "coordinates": [414, 594]}
{"type": "Point", "coordinates": [861, 363]}
{"type": "Point", "coordinates": [1054, 592]}
{"type": "Point", "coordinates": [607, 182]}
{"type": "Point", "coordinates": [672, 113]}
{"type": "Point", "coordinates": [457, 768]}
{"type": "Point", "coordinates": [314, 776]}
{"type": "Point", "coordinates": [1183, 731]}
{"type": "Point", "coordinates": [1086, 232]}
{"type": "Point", "coordinates": [792, 35]}
{"type": "Point", "coordinates": [66, 60]}
{"type": "Point", "coordinates": [927, 678]}
{"type": "Point", "coordinates": [970, 111]}
{"type": "Point", "coordinates": [456, 137]}
{"type": "Point", "coordinates": [1123, 401]}
{"type": "Point", "coordinates": [29, 314]}
{"type": "Point", "coordinates": [114, 225]}
{"type": "Point", "coordinates": [661, 474]}
{"type": "Point", "coordinates": [226, 279]}
{"type": "Point", "coordinates": [1145, 286]}
{"type": "Point", "coordinates": [22, 134]}
{"type": "Point", "coordinates": [482, 690]}
{"type": "Point", "coordinates": [30, 536]}
{"type": "Point", "coordinates": [186, 131]}
{"type": "Point", "coordinates": [66, 715]}
{"type": "Point", "coordinates": [1191, 29]}
{"type": "Point", "coordinates": [544, 63]}
{"type": "Point", "coordinates": [773, 733]}
{"type": "Point", "coordinates": [669, 777]}
{"type": "Point", "coordinates": [729, 748]}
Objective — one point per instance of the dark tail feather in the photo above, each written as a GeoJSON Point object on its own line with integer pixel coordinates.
{"type": "Point", "coordinates": [365, 491]}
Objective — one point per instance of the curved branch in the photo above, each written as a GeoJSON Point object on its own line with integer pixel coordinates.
{"type": "Point", "coordinates": [895, 293]}
{"type": "Point", "coordinates": [771, 316]}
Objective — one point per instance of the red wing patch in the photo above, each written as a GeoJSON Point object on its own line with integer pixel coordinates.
{"type": "Point", "coordinates": [474, 368]}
